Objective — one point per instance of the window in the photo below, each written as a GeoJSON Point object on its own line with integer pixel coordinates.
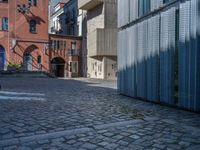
{"type": "Point", "coordinates": [39, 59]}
{"type": "Point", "coordinates": [70, 66]}
{"type": "Point", "coordinates": [100, 68]}
{"type": "Point", "coordinates": [51, 44]}
{"type": "Point", "coordinates": [58, 44]}
{"type": "Point", "coordinates": [32, 26]}
{"type": "Point", "coordinates": [54, 45]}
{"type": "Point", "coordinates": [165, 1]}
{"type": "Point", "coordinates": [35, 2]}
{"type": "Point", "coordinates": [5, 24]}
{"type": "Point", "coordinates": [73, 45]}
{"type": "Point", "coordinates": [93, 66]}
{"type": "Point", "coordinates": [61, 45]}
{"type": "Point", "coordinates": [74, 67]}
{"type": "Point", "coordinates": [65, 45]}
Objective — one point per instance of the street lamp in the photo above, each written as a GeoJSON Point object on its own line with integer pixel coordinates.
{"type": "Point", "coordinates": [23, 8]}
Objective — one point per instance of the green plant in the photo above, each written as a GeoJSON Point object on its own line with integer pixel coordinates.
{"type": "Point", "coordinates": [14, 65]}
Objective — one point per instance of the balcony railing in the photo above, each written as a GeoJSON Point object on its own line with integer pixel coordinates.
{"type": "Point", "coordinates": [70, 21]}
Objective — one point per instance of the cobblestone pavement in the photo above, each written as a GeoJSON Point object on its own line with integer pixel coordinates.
{"type": "Point", "coordinates": [84, 114]}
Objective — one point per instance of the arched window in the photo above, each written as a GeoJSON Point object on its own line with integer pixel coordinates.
{"type": "Point", "coordinates": [32, 26]}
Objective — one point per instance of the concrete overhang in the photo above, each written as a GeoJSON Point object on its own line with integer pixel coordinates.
{"type": "Point", "coordinates": [88, 4]}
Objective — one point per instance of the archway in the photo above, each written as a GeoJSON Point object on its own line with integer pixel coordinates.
{"type": "Point", "coordinates": [28, 58]}
{"type": "Point", "coordinates": [2, 58]}
{"type": "Point", "coordinates": [58, 66]}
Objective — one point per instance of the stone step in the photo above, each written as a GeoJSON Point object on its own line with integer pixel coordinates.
{"type": "Point", "coordinates": [25, 74]}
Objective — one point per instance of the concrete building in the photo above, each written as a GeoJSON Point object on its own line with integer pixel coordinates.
{"type": "Point", "coordinates": [101, 37]}
{"type": "Point", "coordinates": [159, 51]}
{"type": "Point", "coordinates": [24, 34]}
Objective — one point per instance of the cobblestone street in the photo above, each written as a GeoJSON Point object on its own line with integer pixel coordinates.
{"type": "Point", "coordinates": [84, 114]}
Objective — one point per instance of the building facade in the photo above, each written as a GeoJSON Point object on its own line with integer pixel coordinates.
{"type": "Point", "coordinates": [65, 39]}
{"type": "Point", "coordinates": [63, 20]}
{"type": "Point", "coordinates": [101, 37]}
{"type": "Point", "coordinates": [56, 20]}
{"type": "Point", "coordinates": [24, 34]}
{"type": "Point", "coordinates": [159, 51]}
{"type": "Point", "coordinates": [64, 54]}
{"type": "Point", "coordinates": [82, 31]}
{"type": "Point", "coordinates": [52, 10]}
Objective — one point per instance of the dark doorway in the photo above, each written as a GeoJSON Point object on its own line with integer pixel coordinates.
{"type": "Point", "coordinates": [2, 58]}
{"type": "Point", "coordinates": [58, 67]}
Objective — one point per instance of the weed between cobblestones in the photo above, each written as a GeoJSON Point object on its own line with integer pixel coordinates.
{"type": "Point", "coordinates": [134, 113]}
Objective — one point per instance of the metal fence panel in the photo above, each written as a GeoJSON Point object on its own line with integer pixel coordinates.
{"type": "Point", "coordinates": [167, 42]}
{"type": "Point", "coordinates": [153, 59]}
{"type": "Point", "coordinates": [147, 58]}
{"type": "Point", "coordinates": [123, 12]}
{"type": "Point", "coordinates": [188, 56]}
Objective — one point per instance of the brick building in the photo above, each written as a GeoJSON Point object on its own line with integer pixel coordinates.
{"type": "Point", "coordinates": [24, 35]}
{"type": "Point", "coordinates": [24, 40]}
{"type": "Point", "coordinates": [64, 54]}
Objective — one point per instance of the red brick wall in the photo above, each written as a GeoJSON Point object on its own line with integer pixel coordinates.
{"type": "Point", "coordinates": [3, 34]}
{"type": "Point", "coordinates": [34, 43]}
{"type": "Point", "coordinates": [19, 29]}
{"type": "Point", "coordinates": [63, 52]}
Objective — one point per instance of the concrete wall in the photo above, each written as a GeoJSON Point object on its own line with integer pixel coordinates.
{"type": "Point", "coordinates": [102, 38]}
{"type": "Point", "coordinates": [95, 68]}
{"type": "Point", "coordinates": [82, 31]}
{"type": "Point", "coordinates": [95, 18]}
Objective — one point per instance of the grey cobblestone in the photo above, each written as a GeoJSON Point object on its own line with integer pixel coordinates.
{"type": "Point", "coordinates": [89, 146]}
{"type": "Point", "coordinates": [89, 114]}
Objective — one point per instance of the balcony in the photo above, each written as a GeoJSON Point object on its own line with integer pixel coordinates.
{"type": "Point", "coordinates": [70, 21]}
{"type": "Point", "coordinates": [88, 4]}
{"type": "Point", "coordinates": [55, 31]}
{"type": "Point", "coordinates": [102, 42]}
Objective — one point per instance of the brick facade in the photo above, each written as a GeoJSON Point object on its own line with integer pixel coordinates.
{"type": "Point", "coordinates": [29, 47]}
{"type": "Point", "coordinates": [64, 55]}
{"type": "Point", "coordinates": [27, 43]}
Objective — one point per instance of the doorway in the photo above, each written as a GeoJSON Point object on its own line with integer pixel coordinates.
{"type": "Point", "coordinates": [58, 67]}
{"type": "Point", "coordinates": [2, 58]}
{"type": "Point", "coordinates": [28, 61]}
